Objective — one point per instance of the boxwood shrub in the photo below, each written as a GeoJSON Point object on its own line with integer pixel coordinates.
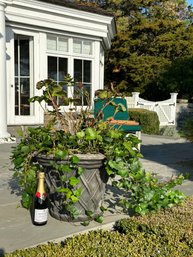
{"type": "Point", "coordinates": [148, 120]}
{"type": "Point", "coordinates": [168, 233]}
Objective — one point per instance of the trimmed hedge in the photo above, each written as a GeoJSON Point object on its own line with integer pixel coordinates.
{"type": "Point", "coordinates": [148, 120]}
{"type": "Point", "coordinates": [168, 233]}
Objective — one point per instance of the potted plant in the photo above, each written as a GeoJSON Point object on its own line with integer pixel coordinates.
{"type": "Point", "coordinates": [78, 155]}
{"type": "Point", "coordinates": [75, 151]}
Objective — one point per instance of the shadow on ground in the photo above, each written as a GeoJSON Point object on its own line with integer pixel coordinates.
{"type": "Point", "coordinates": [170, 157]}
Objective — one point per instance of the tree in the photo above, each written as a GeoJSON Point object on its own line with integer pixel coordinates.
{"type": "Point", "coordinates": [151, 36]}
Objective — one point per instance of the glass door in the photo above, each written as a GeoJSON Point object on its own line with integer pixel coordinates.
{"type": "Point", "coordinates": [23, 49]}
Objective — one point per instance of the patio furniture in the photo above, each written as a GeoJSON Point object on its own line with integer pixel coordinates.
{"type": "Point", "coordinates": [114, 111]}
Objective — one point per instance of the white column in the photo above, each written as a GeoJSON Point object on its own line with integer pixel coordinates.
{"type": "Point", "coordinates": [174, 97]}
{"type": "Point", "coordinates": [3, 84]}
{"type": "Point", "coordinates": [173, 107]}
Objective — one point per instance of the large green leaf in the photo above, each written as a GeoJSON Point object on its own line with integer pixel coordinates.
{"type": "Point", "coordinates": [80, 170]}
{"type": "Point", "coordinates": [115, 133]}
{"type": "Point", "coordinates": [80, 134]}
{"type": "Point", "coordinates": [77, 192]}
{"type": "Point", "coordinates": [64, 168]}
{"type": "Point", "coordinates": [25, 149]}
{"type": "Point", "coordinates": [26, 200]}
{"type": "Point", "coordinates": [74, 181]}
{"type": "Point", "coordinates": [99, 219]}
{"type": "Point", "coordinates": [74, 159]}
{"type": "Point", "coordinates": [74, 198]}
{"type": "Point", "coordinates": [61, 154]}
{"type": "Point", "coordinates": [91, 133]}
{"type": "Point", "coordinates": [120, 167]}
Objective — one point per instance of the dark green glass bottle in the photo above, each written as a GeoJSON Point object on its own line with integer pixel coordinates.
{"type": "Point", "coordinates": [40, 205]}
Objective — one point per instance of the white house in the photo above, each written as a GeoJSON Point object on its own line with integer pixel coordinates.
{"type": "Point", "coordinates": [47, 38]}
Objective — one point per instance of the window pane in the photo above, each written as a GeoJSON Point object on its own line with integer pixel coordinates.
{"type": "Point", "coordinates": [16, 56]}
{"type": "Point", "coordinates": [87, 94]}
{"type": "Point", "coordinates": [57, 69]}
{"type": "Point", "coordinates": [87, 47]}
{"type": "Point", "coordinates": [63, 44]}
{"type": "Point", "coordinates": [62, 68]}
{"type": "Point", "coordinates": [23, 77]}
{"type": "Point", "coordinates": [16, 97]}
{"type": "Point", "coordinates": [77, 46]}
{"type": "Point", "coordinates": [22, 95]}
{"type": "Point", "coordinates": [24, 57]}
{"type": "Point", "coordinates": [82, 94]}
{"type": "Point", "coordinates": [87, 71]}
{"type": "Point", "coordinates": [24, 87]}
{"type": "Point", "coordinates": [52, 67]}
{"type": "Point", "coordinates": [78, 70]}
{"type": "Point", "coordinates": [51, 43]}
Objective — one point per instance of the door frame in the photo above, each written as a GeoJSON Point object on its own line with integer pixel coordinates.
{"type": "Point", "coordinates": [37, 116]}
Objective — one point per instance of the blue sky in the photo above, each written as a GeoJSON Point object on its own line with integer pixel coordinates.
{"type": "Point", "coordinates": [190, 2]}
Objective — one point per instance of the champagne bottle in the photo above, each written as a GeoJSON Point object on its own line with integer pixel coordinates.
{"type": "Point", "coordinates": [40, 206]}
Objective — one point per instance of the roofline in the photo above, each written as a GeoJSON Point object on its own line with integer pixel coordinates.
{"type": "Point", "coordinates": [79, 6]}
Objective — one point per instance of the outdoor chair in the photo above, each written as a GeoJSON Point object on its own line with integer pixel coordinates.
{"type": "Point", "coordinates": [114, 111]}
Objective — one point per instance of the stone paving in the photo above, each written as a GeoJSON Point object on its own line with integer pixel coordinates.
{"type": "Point", "coordinates": [169, 157]}
{"type": "Point", "coordinates": [165, 156]}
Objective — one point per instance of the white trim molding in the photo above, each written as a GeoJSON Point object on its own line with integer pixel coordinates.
{"type": "Point", "coordinates": [40, 14]}
{"type": "Point", "coordinates": [3, 97]}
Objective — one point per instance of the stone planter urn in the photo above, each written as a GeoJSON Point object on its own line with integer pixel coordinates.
{"type": "Point", "coordinates": [92, 183]}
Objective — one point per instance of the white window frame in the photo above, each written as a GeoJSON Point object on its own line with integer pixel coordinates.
{"type": "Point", "coordinates": [71, 56]}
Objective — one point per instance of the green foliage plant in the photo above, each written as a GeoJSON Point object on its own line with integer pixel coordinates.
{"type": "Point", "coordinates": [148, 120]}
{"type": "Point", "coordinates": [73, 132]}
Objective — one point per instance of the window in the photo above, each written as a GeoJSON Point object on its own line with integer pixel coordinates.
{"type": "Point", "coordinates": [57, 70]}
{"type": "Point", "coordinates": [23, 48]}
{"type": "Point", "coordinates": [62, 59]}
{"type": "Point", "coordinates": [82, 76]}
{"type": "Point", "coordinates": [82, 47]}
{"type": "Point", "coordinates": [55, 43]}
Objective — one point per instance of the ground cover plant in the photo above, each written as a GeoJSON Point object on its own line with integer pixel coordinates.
{"type": "Point", "coordinates": [167, 233]}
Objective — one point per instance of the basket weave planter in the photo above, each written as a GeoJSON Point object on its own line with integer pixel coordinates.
{"type": "Point", "coordinates": [92, 182]}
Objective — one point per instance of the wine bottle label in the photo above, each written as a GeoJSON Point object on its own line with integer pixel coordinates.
{"type": "Point", "coordinates": [41, 215]}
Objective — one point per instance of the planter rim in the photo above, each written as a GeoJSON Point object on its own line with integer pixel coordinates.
{"type": "Point", "coordinates": [86, 156]}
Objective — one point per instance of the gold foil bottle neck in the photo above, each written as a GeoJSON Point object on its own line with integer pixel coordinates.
{"type": "Point", "coordinates": [41, 175]}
